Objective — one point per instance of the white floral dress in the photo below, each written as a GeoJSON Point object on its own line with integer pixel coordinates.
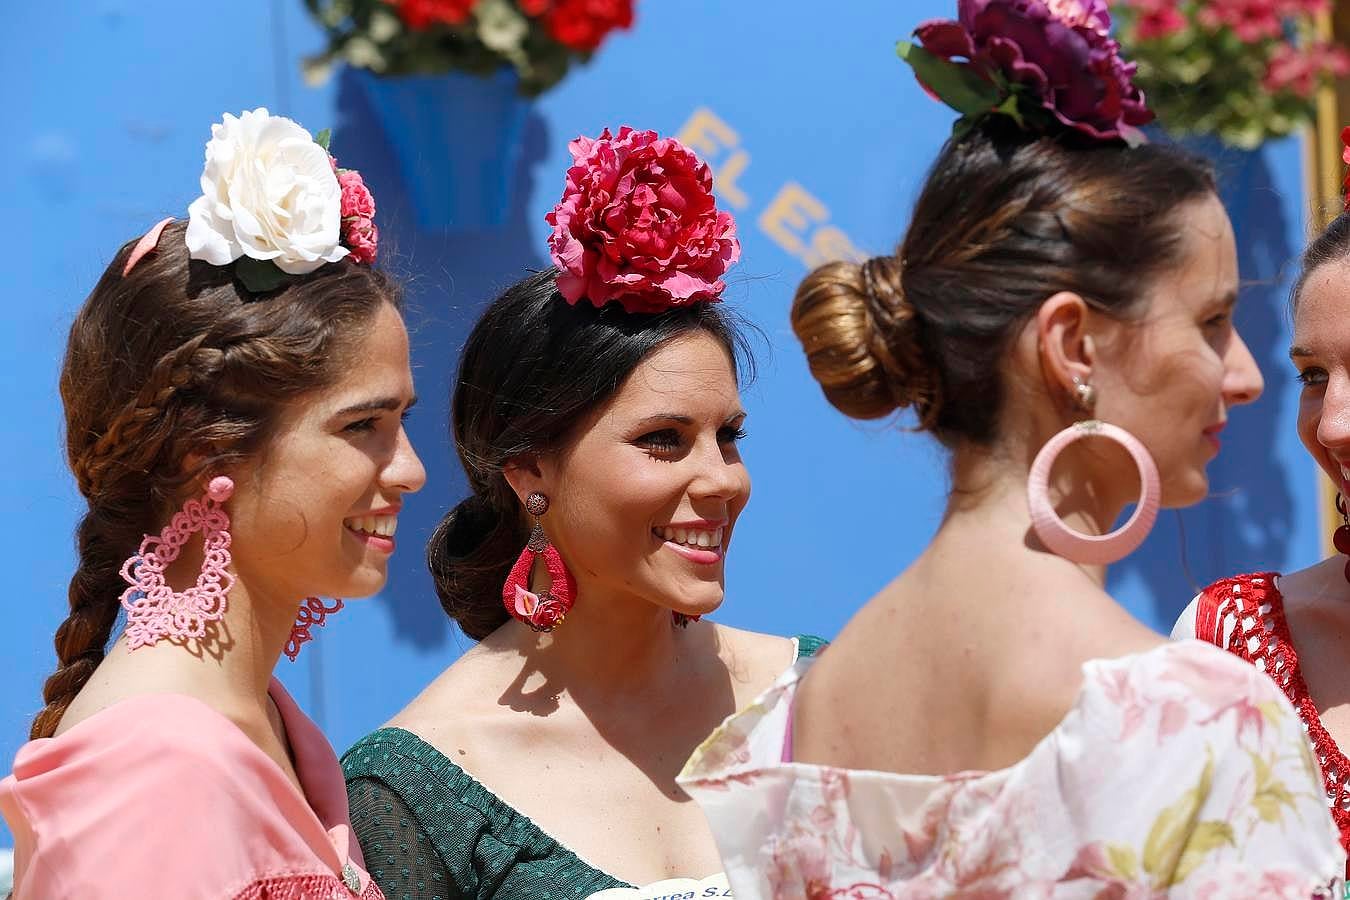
{"type": "Point", "coordinates": [1179, 772]}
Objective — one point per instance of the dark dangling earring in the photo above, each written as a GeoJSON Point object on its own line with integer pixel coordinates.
{"type": "Point", "coordinates": [1340, 538]}
{"type": "Point", "coordinates": [681, 620]}
{"type": "Point", "coordinates": [545, 610]}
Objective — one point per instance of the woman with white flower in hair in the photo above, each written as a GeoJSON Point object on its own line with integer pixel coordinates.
{"type": "Point", "coordinates": [210, 385]}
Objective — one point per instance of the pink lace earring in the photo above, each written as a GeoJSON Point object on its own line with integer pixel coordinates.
{"type": "Point", "coordinates": [545, 610]}
{"type": "Point", "coordinates": [155, 610]}
{"type": "Point", "coordinates": [1092, 549]}
{"type": "Point", "coordinates": [312, 614]}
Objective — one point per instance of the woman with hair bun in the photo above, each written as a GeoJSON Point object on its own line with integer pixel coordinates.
{"type": "Point", "coordinates": [598, 417]}
{"type": "Point", "coordinates": [234, 392]}
{"type": "Point", "coordinates": [993, 723]}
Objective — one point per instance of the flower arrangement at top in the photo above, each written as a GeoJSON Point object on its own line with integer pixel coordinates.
{"type": "Point", "coordinates": [1049, 66]}
{"type": "Point", "coordinates": [539, 39]}
{"type": "Point", "coordinates": [1242, 70]}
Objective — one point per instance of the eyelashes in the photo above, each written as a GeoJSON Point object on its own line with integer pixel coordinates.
{"type": "Point", "coordinates": [370, 423]}
{"type": "Point", "coordinates": [668, 441]}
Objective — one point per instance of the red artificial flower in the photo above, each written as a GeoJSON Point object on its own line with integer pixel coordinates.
{"type": "Point", "coordinates": [638, 223]}
{"type": "Point", "coordinates": [419, 15]}
{"type": "Point", "coordinates": [581, 25]}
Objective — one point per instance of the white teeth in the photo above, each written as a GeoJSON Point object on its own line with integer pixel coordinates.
{"type": "Point", "coordinates": [383, 526]}
{"type": "Point", "coordinates": [692, 537]}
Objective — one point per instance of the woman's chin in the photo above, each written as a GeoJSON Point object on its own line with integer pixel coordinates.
{"type": "Point", "coordinates": [1185, 490]}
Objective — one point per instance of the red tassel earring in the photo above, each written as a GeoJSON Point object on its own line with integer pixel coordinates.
{"type": "Point", "coordinates": [545, 610]}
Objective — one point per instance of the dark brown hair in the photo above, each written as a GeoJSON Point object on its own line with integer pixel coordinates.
{"type": "Point", "coordinates": [171, 360]}
{"type": "Point", "coordinates": [1332, 245]}
{"type": "Point", "coordinates": [533, 367]}
{"type": "Point", "coordinates": [1004, 221]}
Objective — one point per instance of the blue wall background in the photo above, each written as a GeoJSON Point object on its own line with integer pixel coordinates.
{"type": "Point", "coordinates": [820, 138]}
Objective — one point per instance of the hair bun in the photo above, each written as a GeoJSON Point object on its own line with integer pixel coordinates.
{"type": "Point", "coordinates": [863, 341]}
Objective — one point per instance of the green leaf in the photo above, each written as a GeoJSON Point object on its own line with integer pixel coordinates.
{"type": "Point", "coordinates": [323, 138]}
{"type": "Point", "coordinates": [1124, 863]}
{"type": "Point", "coordinates": [259, 276]}
{"type": "Point", "coordinates": [1172, 828]}
{"type": "Point", "coordinates": [959, 86]}
{"type": "Point", "coordinates": [1009, 108]}
{"type": "Point", "coordinates": [1204, 840]}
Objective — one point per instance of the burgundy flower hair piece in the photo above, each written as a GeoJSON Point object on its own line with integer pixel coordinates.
{"type": "Point", "coordinates": [1048, 64]}
{"type": "Point", "coordinates": [638, 224]}
{"type": "Point", "coordinates": [1345, 155]}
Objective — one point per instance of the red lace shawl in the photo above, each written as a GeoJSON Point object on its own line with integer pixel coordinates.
{"type": "Point", "coordinates": [1259, 633]}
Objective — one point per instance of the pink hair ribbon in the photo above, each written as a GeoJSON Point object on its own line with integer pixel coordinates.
{"type": "Point", "coordinates": [147, 243]}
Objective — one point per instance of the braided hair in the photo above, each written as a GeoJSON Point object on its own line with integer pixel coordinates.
{"type": "Point", "coordinates": [174, 362]}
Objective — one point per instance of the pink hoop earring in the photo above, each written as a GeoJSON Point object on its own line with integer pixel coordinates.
{"type": "Point", "coordinates": [1092, 549]}
{"type": "Point", "coordinates": [545, 610]}
{"type": "Point", "coordinates": [312, 614]}
{"type": "Point", "coordinates": [155, 610]}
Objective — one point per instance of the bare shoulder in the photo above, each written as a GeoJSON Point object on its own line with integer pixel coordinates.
{"type": "Point", "coordinates": [458, 700]}
{"type": "Point", "coordinates": [753, 655]}
{"type": "Point", "coordinates": [1313, 587]}
{"type": "Point", "coordinates": [120, 677]}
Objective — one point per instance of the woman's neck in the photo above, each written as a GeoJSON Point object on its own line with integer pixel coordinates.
{"type": "Point", "coordinates": [232, 663]}
{"type": "Point", "coordinates": [610, 648]}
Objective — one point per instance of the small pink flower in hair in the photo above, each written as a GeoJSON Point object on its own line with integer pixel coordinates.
{"type": "Point", "coordinates": [356, 197]}
{"type": "Point", "coordinates": [362, 238]}
{"type": "Point", "coordinates": [638, 224]}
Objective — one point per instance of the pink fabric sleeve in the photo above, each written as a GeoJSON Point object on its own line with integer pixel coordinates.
{"type": "Point", "coordinates": [158, 796]}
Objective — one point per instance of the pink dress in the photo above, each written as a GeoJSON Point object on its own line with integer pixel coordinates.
{"type": "Point", "coordinates": [161, 796]}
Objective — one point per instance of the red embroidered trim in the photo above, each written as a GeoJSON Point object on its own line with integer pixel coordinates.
{"type": "Point", "coordinates": [305, 887]}
{"type": "Point", "coordinates": [1241, 597]}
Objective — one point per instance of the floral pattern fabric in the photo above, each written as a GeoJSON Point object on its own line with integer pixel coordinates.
{"type": "Point", "coordinates": [1179, 772]}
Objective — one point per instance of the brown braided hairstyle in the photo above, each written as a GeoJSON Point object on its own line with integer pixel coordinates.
{"type": "Point", "coordinates": [1005, 220]}
{"type": "Point", "coordinates": [175, 359]}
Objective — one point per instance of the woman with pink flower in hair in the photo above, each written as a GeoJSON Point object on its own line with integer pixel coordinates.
{"type": "Point", "coordinates": [993, 723]}
{"type": "Point", "coordinates": [597, 415]}
{"type": "Point", "coordinates": [234, 390]}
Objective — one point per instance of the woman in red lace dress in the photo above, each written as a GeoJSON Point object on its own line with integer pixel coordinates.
{"type": "Point", "coordinates": [1296, 627]}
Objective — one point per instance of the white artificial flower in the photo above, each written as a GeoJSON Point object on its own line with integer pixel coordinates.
{"type": "Point", "coordinates": [268, 192]}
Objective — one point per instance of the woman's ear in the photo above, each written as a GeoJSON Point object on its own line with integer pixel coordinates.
{"type": "Point", "coordinates": [1066, 346]}
{"type": "Point", "coordinates": [524, 475]}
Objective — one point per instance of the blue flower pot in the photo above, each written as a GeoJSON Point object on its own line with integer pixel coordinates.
{"type": "Point", "coordinates": [457, 138]}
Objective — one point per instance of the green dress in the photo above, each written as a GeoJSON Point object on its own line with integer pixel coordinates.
{"type": "Point", "coordinates": [429, 831]}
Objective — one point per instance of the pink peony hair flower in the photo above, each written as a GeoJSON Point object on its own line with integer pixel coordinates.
{"type": "Point", "coordinates": [362, 238]}
{"type": "Point", "coordinates": [356, 197]}
{"type": "Point", "coordinates": [637, 223]}
{"type": "Point", "coordinates": [1056, 54]}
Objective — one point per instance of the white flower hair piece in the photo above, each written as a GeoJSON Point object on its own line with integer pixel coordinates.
{"type": "Point", "coordinates": [271, 201]}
